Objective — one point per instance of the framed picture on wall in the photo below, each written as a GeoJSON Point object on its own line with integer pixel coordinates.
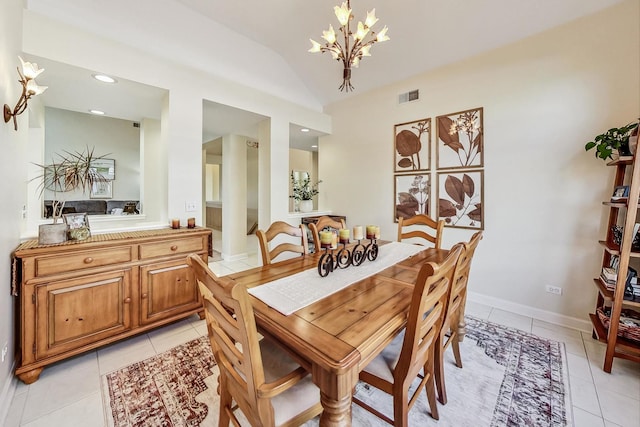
{"type": "Point", "coordinates": [412, 195]}
{"type": "Point", "coordinates": [102, 190]}
{"type": "Point", "coordinates": [460, 199]}
{"type": "Point", "coordinates": [105, 167]}
{"type": "Point", "coordinates": [460, 140]}
{"type": "Point", "coordinates": [412, 146]}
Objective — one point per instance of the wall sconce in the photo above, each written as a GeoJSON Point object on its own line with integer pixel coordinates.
{"type": "Point", "coordinates": [29, 88]}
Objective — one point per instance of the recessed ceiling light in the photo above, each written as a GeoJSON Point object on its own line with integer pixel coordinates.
{"type": "Point", "coordinates": [314, 146]}
{"type": "Point", "coordinates": [104, 78]}
{"type": "Point", "coordinates": [97, 112]}
{"type": "Point", "coordinates": [304, 130]}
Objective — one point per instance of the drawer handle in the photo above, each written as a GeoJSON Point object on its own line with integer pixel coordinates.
{"type": "Point", "coordinates": [88, 260]}
{"type": "Point", "coordinates": [174, 248]}
{"type": "Point", "coordinates": [127, 300]}
{"type": "Point", "coordinates": [144, 296]}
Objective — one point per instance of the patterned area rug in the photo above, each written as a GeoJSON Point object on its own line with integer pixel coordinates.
{"type": "Point", "coordinates": [510, 378]}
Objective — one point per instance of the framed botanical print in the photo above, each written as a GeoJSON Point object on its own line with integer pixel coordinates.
{"type": "Point", "coordinates": [460, 199]}
{"type": "Point", "coordinates": [412, 195]}
{"type": "Point", "coordinates": [460, 141]}
{"type": "Point", "coordinates": [412, 146]}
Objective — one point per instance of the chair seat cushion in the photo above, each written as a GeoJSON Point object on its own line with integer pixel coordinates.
{"type": "Point", "coordinates": [302, 396]}
{"type": "Point", "coordinates": [385, 362]}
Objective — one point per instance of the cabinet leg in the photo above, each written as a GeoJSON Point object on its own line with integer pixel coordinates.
{"type": "Point", "coordinates": [201, 315]}
{"type": "Point", "coordinates": [30, 376]}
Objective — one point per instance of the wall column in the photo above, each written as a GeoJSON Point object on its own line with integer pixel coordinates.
{"type": "Point", "coordinates": [234, 197]}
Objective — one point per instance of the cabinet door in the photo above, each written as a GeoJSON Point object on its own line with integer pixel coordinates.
{"type": "Point", "coordinates": [167, 289]}
{"type": "Point", "coordinates": [76, 312]}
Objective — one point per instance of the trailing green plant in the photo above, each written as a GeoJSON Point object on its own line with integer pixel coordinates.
{"type": "Point", "coordinates": [613, 139]}
{"type": "Point", "coordinates": [303, 189]}
{"type": "Point", "coordinates": [70, 171]}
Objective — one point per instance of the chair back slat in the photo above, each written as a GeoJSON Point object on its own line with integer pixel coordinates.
{"type": "Point", "coordinates": [460, 277]}
{"type": "Point", "coordinates": [426, 315]}
{"type": "Point", "coordinates": [281, 228]}
{"type": "Point", "coordinates": [430, 230]}
{"type": "Point", "coordinates": [233, 335]}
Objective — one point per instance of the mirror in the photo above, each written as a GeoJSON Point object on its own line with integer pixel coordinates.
{"type": "Point", "coordinates": [303, 158]}
{"type": "Point", "coordinates": [118, 134]}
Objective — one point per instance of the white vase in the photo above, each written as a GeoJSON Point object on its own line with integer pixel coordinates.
{"type": "Point", "coordinates": [306, 205]}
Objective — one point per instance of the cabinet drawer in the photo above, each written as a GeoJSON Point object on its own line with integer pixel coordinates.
{"type": "Point", "coordinates": [171, 247]}
{"type": "Point", "coordinates": [81, 260]}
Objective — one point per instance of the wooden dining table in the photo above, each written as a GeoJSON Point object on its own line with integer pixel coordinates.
{"type": "Point", "coordinates": [335, 337]}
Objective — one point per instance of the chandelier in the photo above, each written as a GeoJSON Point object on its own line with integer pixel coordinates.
{"type": "Point", "coordinates": [349, 54]}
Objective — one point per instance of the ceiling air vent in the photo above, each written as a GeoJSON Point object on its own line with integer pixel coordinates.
{"type": "Point", "coordinates": [412, 95]}
{"type": "Point", "coordinates": [136, 124]}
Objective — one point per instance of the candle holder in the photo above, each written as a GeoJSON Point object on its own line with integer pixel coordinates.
{"type": "Point", "coordinates": [331, 260]}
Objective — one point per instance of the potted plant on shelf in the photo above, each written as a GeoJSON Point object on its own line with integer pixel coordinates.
{"type": "Point", "coordinates": [613, 139]}
{"type": "Point", "coordinates": [303, 192]}
{"type": "Point", "coordinates": [71, 171]}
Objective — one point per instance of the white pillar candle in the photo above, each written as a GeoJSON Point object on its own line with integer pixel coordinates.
{"type": "Point", "coordinates": [357, 232]}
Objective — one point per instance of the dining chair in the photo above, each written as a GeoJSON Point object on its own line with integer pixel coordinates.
{"type": "Point", "coordinates": [453, 322]}
{"type": "Point", "coordinates": [256, 376]}
{"type": "Point", "coordinates": [412, 351]}
{"type": "Point", "coordinates": [280, 228]}
{"type": "Point", "coordinates": [321, 223]}
{"type": "Point", "coordinates": [433, 235]}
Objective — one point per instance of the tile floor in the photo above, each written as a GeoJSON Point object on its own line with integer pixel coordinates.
{"type": "Point", "coordinates": [69, 394]}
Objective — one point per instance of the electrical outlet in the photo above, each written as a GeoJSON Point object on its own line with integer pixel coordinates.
{"type": "Point", "coordinates": [554, 290]}
{"type": "Point", "coordinates": [190, 206]}
{"type": "Point", "coordinates": [5, 350]}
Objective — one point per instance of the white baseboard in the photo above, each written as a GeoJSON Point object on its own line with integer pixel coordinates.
{"type": "Point", "coordinates": [6, 395]}
{"type": "Point", "coordinates": [536, 313]}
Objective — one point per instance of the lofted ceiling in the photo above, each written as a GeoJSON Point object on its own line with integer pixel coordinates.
{"type": "Point", "coordinates": [263, 44]}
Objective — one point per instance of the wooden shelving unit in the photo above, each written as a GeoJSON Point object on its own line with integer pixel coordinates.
{"type": "Point", "coordinates": [619, 210]}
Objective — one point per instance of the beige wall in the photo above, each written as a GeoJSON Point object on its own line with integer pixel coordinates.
{"type": "Point", "coordinates": [543, 99]}
{"type": "Point", "coordinates": [112, 138]}
{"type": "Point", "coordinates": [14, 175]}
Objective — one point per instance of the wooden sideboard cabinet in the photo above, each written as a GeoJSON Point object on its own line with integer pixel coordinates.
{"type": "Point", "coordinates": [77, 296]}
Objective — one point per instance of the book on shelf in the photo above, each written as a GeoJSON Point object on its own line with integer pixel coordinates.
{"type": "Point", "coordinates": [609, 274]}
{"type": "Point", "coordinates": [620, 192]}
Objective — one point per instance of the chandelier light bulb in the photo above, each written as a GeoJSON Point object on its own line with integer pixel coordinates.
{"type": "Point", "coordinates": [343, 13]}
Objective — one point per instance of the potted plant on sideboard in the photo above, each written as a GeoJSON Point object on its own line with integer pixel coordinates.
{"type": "Point", "coordinates": [303, 192]}
{"type": "Point", "coordinates": [71, 171]}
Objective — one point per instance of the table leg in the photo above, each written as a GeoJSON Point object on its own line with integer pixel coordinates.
{"type": "Point", "coordinates": [336, 413]}
{"type": "Point", "coordinates": [335, 396]}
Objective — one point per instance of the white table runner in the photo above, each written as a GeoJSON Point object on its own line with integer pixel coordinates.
{"type": "Point", "coordinates": [292, 293]}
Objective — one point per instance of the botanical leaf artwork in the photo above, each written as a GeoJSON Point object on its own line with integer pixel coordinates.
{"type": "Point", "coordinates": [412, 146]}
{"type": "Point", "coordinates": [460, 199]}
{"type": "Point", "coordinates": [412, 195]}
{"type": "Point", "coordinates": [460, 140]}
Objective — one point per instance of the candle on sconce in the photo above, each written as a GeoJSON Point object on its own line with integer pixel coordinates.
{"type": "Point", "coordinates": [191, 223]}
{"type": "Point", "coordinates": [371, 231]}
{"type": "Point", "coordinates": [175, 223]}
{"type": "Point", "coordinates": [325, 239]}
{"type": "Point", "coordinates": [376, 234]}
{"type": "Point", "coordinates": [334, 239]}
{"type": "Point", "coordinates": [344, 235]}
{"type": "Point", "coordinates": [357, 232]}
